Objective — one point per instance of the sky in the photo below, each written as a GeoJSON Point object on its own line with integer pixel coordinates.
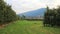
{"type": "Point", "coordinates": [21, 6]}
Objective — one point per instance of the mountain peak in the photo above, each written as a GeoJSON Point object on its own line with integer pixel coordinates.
{"type": "Point", "coordinates": [38, 12]}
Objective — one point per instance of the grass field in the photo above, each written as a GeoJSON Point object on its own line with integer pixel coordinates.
{"type": "Point", "coordinates": [29, 27]}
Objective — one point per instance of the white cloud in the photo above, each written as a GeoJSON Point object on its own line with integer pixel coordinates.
{"type": "Point", "coordinates": [21, 6]}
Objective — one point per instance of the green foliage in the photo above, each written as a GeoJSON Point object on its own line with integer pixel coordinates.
{"type": "Point", "coordinates": [23, 17]}
{"type": "Point", "coordinates": [52, 17]}
{"type": "Point", "coordinates": [19, 17]}
{"type": "Point", "coordinates": [6, 13]}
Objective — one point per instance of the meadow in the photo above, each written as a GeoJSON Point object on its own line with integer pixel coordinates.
{"type": "Point", "coordinates": [28, 27]}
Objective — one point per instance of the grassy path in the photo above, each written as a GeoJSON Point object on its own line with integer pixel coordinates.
{"type": "Point", "coordinates": [29, 27]}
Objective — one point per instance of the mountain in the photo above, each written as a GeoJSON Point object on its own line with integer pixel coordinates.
{"type": "Point", "coordinates": [38, 12]}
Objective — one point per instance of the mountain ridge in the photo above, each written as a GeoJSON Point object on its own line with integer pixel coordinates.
{"type": "Point", "coordinates": [36, 12]}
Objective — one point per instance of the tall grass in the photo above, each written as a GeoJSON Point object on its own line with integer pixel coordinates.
{"type": "Point", "coordinates": [29, 27]}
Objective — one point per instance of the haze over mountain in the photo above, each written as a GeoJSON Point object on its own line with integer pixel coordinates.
{"type": "Point", "coordinates": [38, 12]}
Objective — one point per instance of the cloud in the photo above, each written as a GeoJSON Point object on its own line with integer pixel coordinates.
{"type": "Point", "coordinates": [21, 6]}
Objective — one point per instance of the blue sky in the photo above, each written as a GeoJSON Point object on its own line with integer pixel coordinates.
{"type": "Point", "coordinates": [21, 6]}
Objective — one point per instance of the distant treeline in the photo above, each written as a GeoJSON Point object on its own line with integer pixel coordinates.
{"type": "Point", "coordinates": [52, 17]}
{"type": "Point", "coordinates": [23, 17]}
{"type": "Point", "coordinates": [34, 19]}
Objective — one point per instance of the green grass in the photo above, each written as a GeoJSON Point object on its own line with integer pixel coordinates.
{"type": "Point", "coordinates": [29, 27]}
